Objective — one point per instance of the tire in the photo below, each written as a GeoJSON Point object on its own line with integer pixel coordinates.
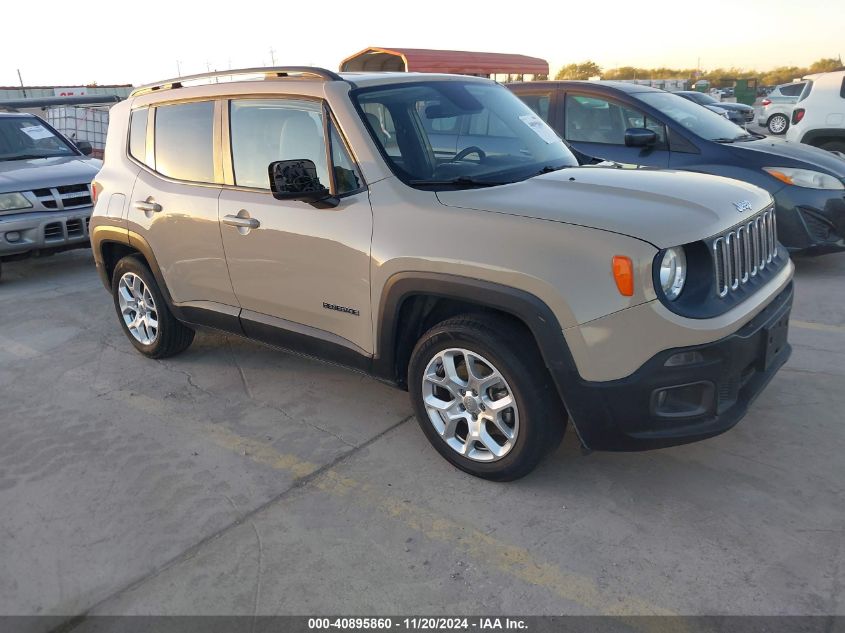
{"type": "Point", "coordinates": [778, 124]}
{"type": "Point", "coordinates": [169, 336]}
{"type": "Point", "coordinates": [834, 146]}
{"type": "Point", "coordinates": [536, 421]}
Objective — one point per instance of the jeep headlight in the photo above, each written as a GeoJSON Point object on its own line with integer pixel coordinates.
{"type": "Point", "coordinates": [805, 178]}
{"type": "Point", "coordinates": [673, 272]}
{"type": "Point", "coordinates": [12, 201]}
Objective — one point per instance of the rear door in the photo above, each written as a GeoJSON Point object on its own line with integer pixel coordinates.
{"type": "Point", "coordinates": [595, 125]}
{"type": "Point", "coordinates": [174, 203]}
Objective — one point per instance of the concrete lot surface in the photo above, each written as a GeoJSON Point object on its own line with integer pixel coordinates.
{"type": "Point", "coordinates": [235, 479]}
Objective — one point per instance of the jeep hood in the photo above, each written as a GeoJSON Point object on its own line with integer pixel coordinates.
{"type": "Point", "coordinates": [665, 208]}
{"type": "Point", "coordinates": [42, 173]}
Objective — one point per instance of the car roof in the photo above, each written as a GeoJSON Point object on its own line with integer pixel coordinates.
{"type": "Point", "coordinates": [15, 114]}
{"type": "Point", "coordinates": [621, 86]}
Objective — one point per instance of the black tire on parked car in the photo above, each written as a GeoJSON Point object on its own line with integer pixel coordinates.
{"type": "Point", "coordinates": [144, 315]}
{"type": "Point", "coordinates": [483, 396]}
{"type": "Point", "coordinates": [778, 124]}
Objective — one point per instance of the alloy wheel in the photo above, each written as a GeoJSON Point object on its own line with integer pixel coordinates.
{"type": "Point", "coordinates": [138, 308]}
{"type": "Point", "coordinates": [777, 124]}
{"type": "Point", "coordinates": [470, 405]}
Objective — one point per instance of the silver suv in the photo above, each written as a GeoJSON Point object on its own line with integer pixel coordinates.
{"type": "Point", "coordinates": [45, 180]}
{"type": "Point", "coordinates": [433, 231]}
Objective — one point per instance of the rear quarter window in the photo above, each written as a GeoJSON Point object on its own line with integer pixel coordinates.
{"type": "Point", "coordinates": [138, 135]}
{"type": "Point", "coordinates": [792, 91]}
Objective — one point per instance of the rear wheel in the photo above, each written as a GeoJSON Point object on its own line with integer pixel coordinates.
{"type": "Point", "coordinates": [146, 320]}
{"type": "Point", "coordinates": [778, 124]}
{"type": "Point", "coordinates": [484, 398]}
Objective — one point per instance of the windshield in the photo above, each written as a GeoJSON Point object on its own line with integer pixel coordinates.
{"type": "Point", "coordinates": [28, 137]}
{"type": "Point", "coordinates": [697, 119]}
{"type": "Point", "coordinates": [459, 133]}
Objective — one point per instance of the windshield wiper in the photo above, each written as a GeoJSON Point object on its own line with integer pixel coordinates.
{"type": "Point", "coordinates": [723, 140]}
{"type": "Point", "coordinates": [549, 169]}
{"type": "Point", "coordinates": [461, 181]}
{"type": "Point", "coordinates": [24, 157]}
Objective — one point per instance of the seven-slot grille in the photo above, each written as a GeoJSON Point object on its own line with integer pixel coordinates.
{"type": "Point", "coordinates": [744, 252]}
{"type": "Point", "coordinates": [64, 197]}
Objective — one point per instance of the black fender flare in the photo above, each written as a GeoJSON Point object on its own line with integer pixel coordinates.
{"type": "Point", "coordinates": [528, 308]}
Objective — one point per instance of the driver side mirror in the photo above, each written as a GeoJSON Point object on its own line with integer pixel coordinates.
{"type": "Point", "coordinates": [298, 180]}
{"type": "Point", "coordinates": [640, 137]}
{"type": "Point", "coordinates": [85, 147]}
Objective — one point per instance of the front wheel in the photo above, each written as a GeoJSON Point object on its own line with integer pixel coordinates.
{"type": "Point", "coordinates": [778, 124]}
{"type": "Point", "coordinates": [484, 398]}
{"type": "Point", "coordinates": [144, 316]}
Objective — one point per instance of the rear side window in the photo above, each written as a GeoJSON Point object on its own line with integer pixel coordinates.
{"type": "Point", "coordinates": [138, 135]}
{"type": "Point", "coordinates": [842, 89]}
{"type": "Point", "coordinates": [183, 141]}
{"type": "Point", "coordinates": [539, 102]}
{"type": "Point", "coordinates": [792, 90]}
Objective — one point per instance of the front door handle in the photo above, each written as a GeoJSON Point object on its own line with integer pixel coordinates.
{"type": "Point", "coordinates": [147, 207]}
{"type": "Point", "coordinates": [244, 223]}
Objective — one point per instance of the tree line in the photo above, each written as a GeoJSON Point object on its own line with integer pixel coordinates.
{"type": "Point", "coordinates": [779, 75]}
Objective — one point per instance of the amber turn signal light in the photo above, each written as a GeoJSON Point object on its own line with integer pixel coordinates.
{"type": "Point", "coordinates": [623, 273]}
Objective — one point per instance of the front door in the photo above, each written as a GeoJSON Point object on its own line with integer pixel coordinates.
{"type": "Point", "coordinates": [595, 126]}
{"type": "Point", "coordinates": [299, 268]}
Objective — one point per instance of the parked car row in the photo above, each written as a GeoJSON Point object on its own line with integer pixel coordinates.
{"type": "Point", "coordinates": [776, 107]}
{"type": "Point", "coordinates": [638, 125]}
{"type": "Point", "coordinates": [738, 113]}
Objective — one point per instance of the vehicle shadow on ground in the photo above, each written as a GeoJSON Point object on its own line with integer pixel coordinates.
{"type": "Point", "coordinates": [46, 268]}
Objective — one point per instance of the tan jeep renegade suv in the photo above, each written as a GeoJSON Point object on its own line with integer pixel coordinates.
{"type": "Point", "coordinates": [431, 230]}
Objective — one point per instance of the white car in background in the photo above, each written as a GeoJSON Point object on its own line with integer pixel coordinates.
{"type": "Point", "coordinates": [819, 116]}
{"type": "Point", "coordinates": [776, 110]}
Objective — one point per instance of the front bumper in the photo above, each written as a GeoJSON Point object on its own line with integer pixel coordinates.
{"type": "Point", "coordinates": [44, 231]}
{"type": "Point", "coordinates": [725, 376]}
{"type": "Point", "coordinates": [811, 221]}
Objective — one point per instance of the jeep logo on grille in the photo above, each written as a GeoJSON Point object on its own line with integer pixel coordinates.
{"type": "Point", "coordinates": [743, 206]}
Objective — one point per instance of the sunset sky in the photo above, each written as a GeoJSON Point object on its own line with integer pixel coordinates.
{"type": "Point", "coordinates": [62, 43]}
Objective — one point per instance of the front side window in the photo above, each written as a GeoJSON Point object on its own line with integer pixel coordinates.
{"type": "Point", "coordinates": [461, 133]}
{"type": "Point", "coordinates": [28, 137]}
{"type": "Point", "coordinates": [183, 141]}
{"type": "Point", "coordinates": [346, 175]}
{"type": "Point", "coordinates": [264, 131]}
{"type": "Point", "coordinates": [597, 120]}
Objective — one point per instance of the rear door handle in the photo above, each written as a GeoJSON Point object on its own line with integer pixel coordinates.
{"type": "Point", "coordinates": [245, 223]}
{"type": "Point", "coordinates": [148, 207]}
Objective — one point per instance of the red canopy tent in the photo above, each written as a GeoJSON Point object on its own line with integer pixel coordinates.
{"type": "Point", "coordinates": [434, 61]}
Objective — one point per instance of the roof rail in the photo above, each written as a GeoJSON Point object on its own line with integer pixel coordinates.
{"type": "Point", "coordinates": [268, 72]}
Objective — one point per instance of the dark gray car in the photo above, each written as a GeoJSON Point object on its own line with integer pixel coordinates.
{"type": "Point", "coordinates": [738, 113]}
{"type": "Point", "coordinates": [45, 188]}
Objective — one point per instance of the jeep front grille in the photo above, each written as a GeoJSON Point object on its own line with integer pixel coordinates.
{"type": "Point", "coordinates": [744, 252]}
